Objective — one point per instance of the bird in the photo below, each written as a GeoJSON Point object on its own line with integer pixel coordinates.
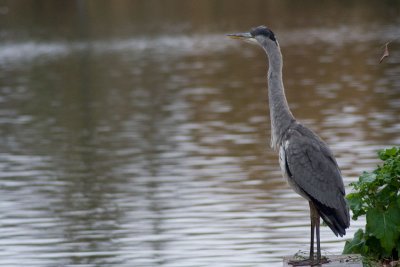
{"type": "Point", "coordinates": [306, 161]}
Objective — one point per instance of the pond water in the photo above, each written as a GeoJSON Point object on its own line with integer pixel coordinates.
{"type": "Point", "coordinates": [134, 133]}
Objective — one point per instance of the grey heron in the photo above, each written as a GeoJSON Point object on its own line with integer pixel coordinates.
{"type": "Point", "coordinates": [305, 160]}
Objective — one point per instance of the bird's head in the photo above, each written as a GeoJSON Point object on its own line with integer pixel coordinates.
{"type": "Point", "coordinates": [260, 35]}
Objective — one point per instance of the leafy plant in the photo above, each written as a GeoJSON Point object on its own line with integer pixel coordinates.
{"type": "Point", "coordinates": [376, 195]}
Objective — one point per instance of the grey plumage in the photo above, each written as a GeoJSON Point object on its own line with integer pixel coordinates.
{"type": "Point", "coordinates": [311, 167]}
{"type": "Point", "coordinates": [306, 161]}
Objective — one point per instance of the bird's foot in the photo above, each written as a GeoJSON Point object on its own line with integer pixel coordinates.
{"type": "Point", "coordinates": [309, 262]}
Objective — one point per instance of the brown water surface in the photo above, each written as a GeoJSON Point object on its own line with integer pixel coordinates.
{"type": "Point", "coordinates": [134, 133]}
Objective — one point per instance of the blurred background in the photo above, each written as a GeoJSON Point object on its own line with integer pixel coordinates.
{"type": "Point", "coordinates": [134, 133]}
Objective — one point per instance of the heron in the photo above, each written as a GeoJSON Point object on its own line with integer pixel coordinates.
{"type": "Point", "coordinates": [306, 161]}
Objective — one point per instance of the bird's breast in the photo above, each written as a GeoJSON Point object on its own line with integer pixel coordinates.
{"type": "Point", "coordinates": [282, 161]}
{"type": "Point", "coordinates": [286, 173]}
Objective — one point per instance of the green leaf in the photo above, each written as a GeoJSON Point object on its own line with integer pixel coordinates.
{"type": "Point", "coordinates": [374, 248]}
{"type": "Point", "coordinates": [355, 204]}
{"type": "Point", "coordinates": [387, 153]}
{"type": "Point", "coordinates": [391, 151]}
{"type": "Point", "coordinates": [382, 155]}
{"type": "Point", "coordinates": [377, 194]}
{"type": "Point", "coordinates": [398, 201]}
{"type": "Point", "coordinates": [385, 195]}
{"type": "Point", "coordinates": [386, 177]}
{"type": "Point", "coordinates": [384, 226]}
{"type": "Point", "coordinates": [368, 177]}
{"type": "Point", "coordinates": [356, 244]}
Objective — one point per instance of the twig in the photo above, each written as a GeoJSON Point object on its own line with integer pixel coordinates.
{"type": "Point", "coordinates": [385, 52]}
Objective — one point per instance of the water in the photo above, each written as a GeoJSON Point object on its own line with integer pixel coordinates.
{"type": "Point", "coordinates": [137, 134]}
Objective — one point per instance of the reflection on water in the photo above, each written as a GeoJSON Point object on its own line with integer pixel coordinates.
{"type": "Point", "coordinates": [152, 150]}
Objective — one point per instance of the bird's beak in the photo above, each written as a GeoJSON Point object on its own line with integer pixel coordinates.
{"type": "Point", "coordinates": [245, 36]}
{"type": "Point", "coordinates": [242, 36]}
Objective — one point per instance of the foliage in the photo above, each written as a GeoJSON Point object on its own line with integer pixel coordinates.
{"type": "Point", "coordinates": [376, 195]}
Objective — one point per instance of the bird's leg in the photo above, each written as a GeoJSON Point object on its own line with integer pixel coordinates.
{"type": "Point", "coordinates": [312, 231]}
{"type": "Point", "coordinates": [317, 223]}
{"type": "Point", "coordinates": [315, 220]}
{"type": "Point", "coordinates": [310, 261]}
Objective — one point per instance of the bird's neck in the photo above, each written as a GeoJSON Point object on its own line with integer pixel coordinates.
{"type": "Point", "coordinates": [281, 117]}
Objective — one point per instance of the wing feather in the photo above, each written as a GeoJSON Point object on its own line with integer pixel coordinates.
{"type": "Point", "coordinates": [312, 167]}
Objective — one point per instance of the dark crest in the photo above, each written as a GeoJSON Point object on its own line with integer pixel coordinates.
{"type": "Point", "coordinates": [263, 30]}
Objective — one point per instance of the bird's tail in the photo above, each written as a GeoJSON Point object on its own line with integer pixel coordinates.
{"type": "Point", "coordinates": [338, 218]}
